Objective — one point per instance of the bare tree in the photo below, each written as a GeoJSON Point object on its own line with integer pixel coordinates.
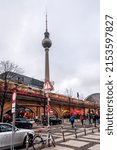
{"type": "Point", "coordinates": [7, 71]}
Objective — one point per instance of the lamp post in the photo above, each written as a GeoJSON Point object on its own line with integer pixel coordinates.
{"type": "Point", "coordinates": [13, 118]}
{"type": "Point", "coordinates": [48, 104]}
{"type": "Point", "coordinates": [13, 111]}
{"type": "Point", "coordinates": [44, 106]}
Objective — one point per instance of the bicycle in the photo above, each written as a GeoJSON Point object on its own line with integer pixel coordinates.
{"type": "Point", "coordinates": [39, 142]}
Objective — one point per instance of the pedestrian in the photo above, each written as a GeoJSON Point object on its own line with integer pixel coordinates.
{"type": "Point", "coordinates": [89, 118]}
{"type": "Point", "coordinates": [37, 120]}
{"type": "Point", "coordinates": [72, 119]}
{"type": "Point", "coordinates": [81, 119]}
{"type": "Point", "coordinates": [94, 119]}
{"type": "Point", "coordinates": [98, 119]}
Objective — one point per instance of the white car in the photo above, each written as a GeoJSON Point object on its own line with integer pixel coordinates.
{"type": "Point", "coordinates": [19, 136]}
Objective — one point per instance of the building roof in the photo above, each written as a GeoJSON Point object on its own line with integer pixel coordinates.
{"type": "Point", "coordinates": [18, 78]}
{"type": "Point", "coordinates": [95, 97]}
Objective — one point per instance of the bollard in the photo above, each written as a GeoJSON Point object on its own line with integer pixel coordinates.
{"type": "Point", "coordinates": [75, 131]}
{"type": "Point", "coordinates": [98, 129]}
{"type": "Point", "coordinates": [63, 133]}
{"type": "Point", "coordinates": [85, 130]}
{"type": "Point", "coordinates": [27, 141]}
{"type": "Point", "coordinates": [92, 130]}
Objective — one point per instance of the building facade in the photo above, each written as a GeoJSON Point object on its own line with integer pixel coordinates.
{"type": "Point", "coordinates": [35, 100]}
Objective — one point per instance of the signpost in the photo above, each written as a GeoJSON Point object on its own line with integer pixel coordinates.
{"type": "Point", "coordinates": [13, 102]}
{"type": "Point", "coordinates": [47, 108]}
{"type": "Point", "coordinates": [47, 88]}
{"type": "Point", "coordinates": [13, 118]}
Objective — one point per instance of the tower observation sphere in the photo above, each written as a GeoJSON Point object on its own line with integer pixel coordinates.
{"type": "Point", "coordinates": [46, 42]}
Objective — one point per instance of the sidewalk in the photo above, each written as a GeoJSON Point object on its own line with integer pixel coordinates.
{"type": "Point", "coordinates": [88, 141]}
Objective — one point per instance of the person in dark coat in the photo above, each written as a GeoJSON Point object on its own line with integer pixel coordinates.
{"type": "Point", "coordinates": [94, 119]}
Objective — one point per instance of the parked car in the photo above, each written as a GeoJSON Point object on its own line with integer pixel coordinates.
{"type": "Point", "coordinates": [19, 136]}
{"type": "Point", "coordinates": [55, 120]}
{"type": "Point", "coordinates": [23, 123]}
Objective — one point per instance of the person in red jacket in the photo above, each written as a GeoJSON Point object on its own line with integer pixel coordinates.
{"type": "Point", "coordinates": [81, 119]}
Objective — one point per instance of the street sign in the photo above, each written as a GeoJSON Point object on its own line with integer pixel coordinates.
{"type": "Point", "coordinates": [47, 86]}
{"type": "Point", "coordinates": [13, 102]}
{"type": "Point", "coordinates": [47, 108]}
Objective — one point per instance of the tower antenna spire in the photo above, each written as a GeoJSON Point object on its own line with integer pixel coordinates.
{"type": "Point", "coordinates": [46, 22]}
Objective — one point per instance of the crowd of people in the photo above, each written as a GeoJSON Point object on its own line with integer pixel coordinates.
{"type": "Point", "coordinates": [91, 118]}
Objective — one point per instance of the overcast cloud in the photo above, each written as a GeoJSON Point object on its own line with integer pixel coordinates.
{"type": "Point", "coordinates": [74, 30]}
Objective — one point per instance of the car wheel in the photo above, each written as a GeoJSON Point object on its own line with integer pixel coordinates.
{"type": "Point", "coordinates": [30, 140]}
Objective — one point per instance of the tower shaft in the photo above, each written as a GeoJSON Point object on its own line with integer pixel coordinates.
{"type": "Point", "coordinates": [47, 75]}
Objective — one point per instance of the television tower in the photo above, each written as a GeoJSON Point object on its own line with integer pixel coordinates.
{"type": "Point", "coordinates": [46, 43]}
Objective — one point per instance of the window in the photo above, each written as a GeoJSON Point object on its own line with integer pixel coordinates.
{"type": "Point", "coordinates": [5, 128]}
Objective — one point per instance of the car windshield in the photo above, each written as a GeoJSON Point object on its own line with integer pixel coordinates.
{"type": "Point", "coordinates": [5, 127]}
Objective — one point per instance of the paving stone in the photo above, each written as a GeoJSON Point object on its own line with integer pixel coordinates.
{"type": "Point", "coordinates": [60, 134]}
{"type": "Point", "coordinates": [58, 148]}
{"type": "Point", "coordinates": [95, 147]}
{"type": "Point", "coordinates": [97, 133]}
{"type": "Point", "coordinates": [92, 136]}
{"type": "Point", "coordinates": [87, 139]}
{"type": "Point", "coordinates": [75, 143]}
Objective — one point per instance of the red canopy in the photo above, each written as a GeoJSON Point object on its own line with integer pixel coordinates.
{"type": "Point", "coordinates": [82, 112]}
{"type": "Point", "coordinates": [74, 112]}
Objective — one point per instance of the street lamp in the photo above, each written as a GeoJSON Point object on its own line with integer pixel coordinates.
{"type": "Point", "coordinates": [44, 103]}
{"type": "Point", "coordinates": [13, 117]}
{"type": "Point", "coordinates": [44, 107]}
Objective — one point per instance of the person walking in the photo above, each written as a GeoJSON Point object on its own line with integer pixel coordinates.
{"type": "Point", "coordinates": [72, 119]}
{"type": "Point", "coordinates": [81, 119]}
{"type": "Point", "coordinates": [89, 118]}
{"type": "Point", "coordinates": [94, 119]}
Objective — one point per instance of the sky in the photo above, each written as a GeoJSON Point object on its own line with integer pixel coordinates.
{"type": "Point", "coordinates": [74, 27]}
